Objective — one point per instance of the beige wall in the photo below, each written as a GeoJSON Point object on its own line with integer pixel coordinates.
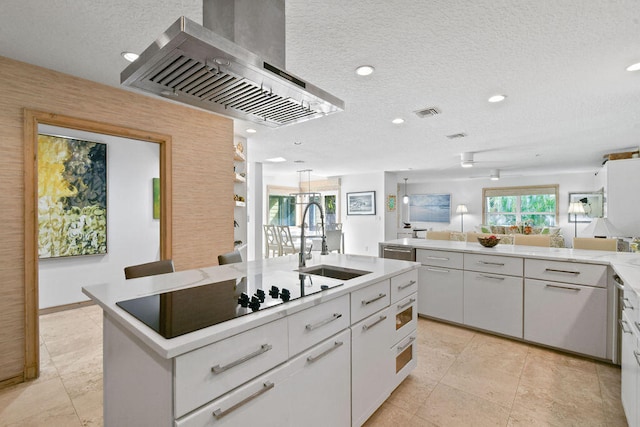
{"type": "Point", "coordinates": [202, 159]}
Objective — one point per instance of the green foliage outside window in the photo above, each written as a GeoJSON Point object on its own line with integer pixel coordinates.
{"type": "Point", "coordinates": [529, 209]}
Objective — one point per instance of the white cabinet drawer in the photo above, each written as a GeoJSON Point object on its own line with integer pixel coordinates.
{"type": "Point", "coordinates": [366, 301]}
{"type": "Point", "coordinates": [403, 285]}
{"type": "Point", "coordinates": [406, 316]}
{"type": "Point", "coordinates": [404, 358]}
{"type": "Point", "coordinates": [568, 272]}
{"type": "Point", "coordinates": [493, 302]}
{"type": "Point", "coordinates": [439, 258]}
{"type": "Point", "coordinates": [258, 402]}
{"type": "Point", "coordinates": [206, 373]}
{"type": "Point", "coordinates": [566, 316]}
{"type": "Point", "coordinates": [510, 266]}
{"type": "Point", "coordinates": [315, 324]}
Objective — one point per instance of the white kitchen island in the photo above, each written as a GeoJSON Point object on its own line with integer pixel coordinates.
{"type": "Point", "coordinates": [329, 358]}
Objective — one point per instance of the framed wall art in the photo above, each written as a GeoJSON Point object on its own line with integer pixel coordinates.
{"type": "Point", "coordinates": [72, 197]}
{"type": "Point", "coordinates": [362, 203]}
{"type": "Point", "coordinates": [391, 202]}
{"type": "Point", "coordinates": [430, 208]}
{"type": "Point", "coordinates": [593, 204]}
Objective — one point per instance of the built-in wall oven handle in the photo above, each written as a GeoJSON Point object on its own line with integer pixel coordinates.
{"type": "Point", "coordinates": [219, 413]}
{"type": "Point", "coordinates": [334, 316]}
{"type": "Point", "coordinates": [622, 324]}
{"type": "Point", "coordinates": [624, 304]}
{"type": "Point", "coordinates": [263, 349]}
{"type": "Point", "coordinates": [406, 304]}
{"type": "Point", "coordinates": [569, 288]}
{"type": "Point", "coordinates": [486, 276]}
{"type": "Point", "coordinates": [411, 283]}
{"type": "Point", "coordinates": [374, 299]}
{"type": "Point", "coordinates": [553, 270]}
{"type": "Point", "coordinates": [402, 347]}
{"type": "Point", "coordinates": [367, 327]}
{"type": "Point", "coordinates": [499, 264]}
{"type": "Point", "coordinates": [404, 251]}
{"type": "Point", "coordinates": [336, 344]}
{"type": "Point", "coordinates": [439, 270]}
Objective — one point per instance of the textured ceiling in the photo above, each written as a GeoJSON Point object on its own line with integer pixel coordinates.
{"type": "Point", "coordinates": [561, 65]}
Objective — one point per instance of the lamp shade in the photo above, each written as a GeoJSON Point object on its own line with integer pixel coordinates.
{"type": "Point", "coordinates": [462, 209]}
{"type": "Point", "coordinates": [576, 208]}
{"type": "Point", "coordinates": [601, 227]}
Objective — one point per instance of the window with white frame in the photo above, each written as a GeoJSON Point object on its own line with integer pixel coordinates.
{"type": "Point", "coordinates": [532, 205]}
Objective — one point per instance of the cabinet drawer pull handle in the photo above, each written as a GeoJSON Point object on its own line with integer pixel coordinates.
{"type": "Point", "coordinates": [486, 276]}
{"type": "Point", "coordinates": [402, 347]}
{"type": "Point", "coordinates": [637, 356]}
{"type": "Point", "coordinates": [402, 251]}
{"type": "Point", "coordinates": [367, 327]}
{"type": "Point", "coordinates": [439, 270]}
{"type": "Point", "coordinates": [624, 304]}
{"type": "Point", "coordinates": [411, 283]}
{"type": "Point", "coordinates": [263, 349]}
{"type": "Point", "coordinates": [553, 270]}
{"type": "Point", "coordinates": [562, 287]}
{"type": "Point", "coordinates": [499, 264]}
{"type": "Point", "coordinates": [622, 323]}
{"type": "Point", "coordinates": [367, 302]}
{"type": "Point", "coordinates": [336, 344]}
{"type": "Point", "coordinates": [439, 258]}
{"type": "Point", "coordinates": [333, 317]}
{"type": "Point", "coordinates": [219, 413]}
{"type": "Point", "coordinates": [406, 304]}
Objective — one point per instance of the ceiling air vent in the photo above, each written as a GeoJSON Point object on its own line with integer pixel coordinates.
{"type": "Point", "coordinates": [427, 112]}
{"type": "Point", "coordinates": [457, 135]}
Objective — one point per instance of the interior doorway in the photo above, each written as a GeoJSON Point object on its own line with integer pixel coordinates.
{"type": "Point", "coordinates": [32, 120]}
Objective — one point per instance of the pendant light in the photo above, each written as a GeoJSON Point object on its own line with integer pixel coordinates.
{"type": "Point", "coordinates": [405, 198]}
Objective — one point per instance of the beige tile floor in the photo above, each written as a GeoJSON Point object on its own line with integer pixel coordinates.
{"type": "Point", "coordinates": [463, 378]}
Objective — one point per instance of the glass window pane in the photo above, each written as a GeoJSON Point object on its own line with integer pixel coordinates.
{"type": "Point", "coordinates": [538, 203]}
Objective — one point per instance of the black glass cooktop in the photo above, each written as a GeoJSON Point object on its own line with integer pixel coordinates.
{"type": "Point", "coordinates": [186, 310]}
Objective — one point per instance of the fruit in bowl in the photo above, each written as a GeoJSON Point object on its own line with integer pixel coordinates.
{"type": "Point", "coordinates": [489, 242]}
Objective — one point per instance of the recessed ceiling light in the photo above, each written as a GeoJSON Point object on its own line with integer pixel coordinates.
{"type": "Point", "coordinates": [364, 70]}
{"type": "Point", "coordinates": [397, 121]}
{"type": "Point", "coordinates": [634, 67]}
{"type": "Point", "coordinates": [251, 130]}
{"type": "Point", "coordinates": [497, 98]}
{"type": "Point", "coordinates": [130, 56]}
{"type": "Point", "coordinates": [276, 160]}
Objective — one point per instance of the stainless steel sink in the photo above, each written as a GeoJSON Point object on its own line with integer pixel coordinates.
{"type": "Point", "coordinates": [334, 272]}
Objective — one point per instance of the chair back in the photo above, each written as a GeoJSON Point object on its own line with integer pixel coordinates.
{"type": "Point", "coordinates": [329, 227]}
{"type": "Point", "coordinates": [149, 269]}
{"type": "Point", "coordinates": [334, 240]}
{"type": "Point", "coordinates": [472, 236]}
{"type": "Point", "coordinates": [286, 242]}
{"type": "Point", "coordinates": [439, 235]}
{"type": "Point", "coordinates": [532, 240]}
{"type": "Point", "coordinates": [271, 241]}
{"type": "Point", "coordinates": [229, 258]}
{"type": "Point", "coordinates": [595, 243]}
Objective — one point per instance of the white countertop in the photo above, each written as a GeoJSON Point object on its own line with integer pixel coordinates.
{"type": "Point", "coordinates": [625, 264]}
{"type": "Point", "coordinates": [106, 295]}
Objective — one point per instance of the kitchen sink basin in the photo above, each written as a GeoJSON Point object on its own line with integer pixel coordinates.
{"type": "Point", "coordinates": [334, 272]}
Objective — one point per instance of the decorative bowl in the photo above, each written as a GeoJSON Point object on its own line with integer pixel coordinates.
{"type": "Point", "coordinates": [489, 242]}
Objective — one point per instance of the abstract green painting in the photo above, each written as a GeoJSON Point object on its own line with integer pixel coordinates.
{"type": "Point", "coordinates": [72, 197]}
{"type": "Point", "coordinates": [156, 198]}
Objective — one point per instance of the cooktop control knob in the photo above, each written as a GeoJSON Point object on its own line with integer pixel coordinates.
{"type": "Point", "coordinates": [285, 295]}
{"type": "Point", "coordinates": [260, 294]}
{"type": "Point", "coordinates": [274, 292]}
{"type": "Point", "coordinates": [254, 305]}
{"type": "Point", "coordinates": [243, 300]}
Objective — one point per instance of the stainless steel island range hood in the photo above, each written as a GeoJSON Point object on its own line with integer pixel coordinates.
{"type": "Point", "coordinates": [196, 65]}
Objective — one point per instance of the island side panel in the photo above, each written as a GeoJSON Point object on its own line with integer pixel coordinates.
{"type": "Point", "coordinates": [137, 381]}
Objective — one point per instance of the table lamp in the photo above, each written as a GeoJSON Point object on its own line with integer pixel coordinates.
{"type": "Point", "coordinates": [576, 208]}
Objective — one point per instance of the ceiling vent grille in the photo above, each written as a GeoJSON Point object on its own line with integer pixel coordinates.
{"type": "Point", "coordinates": [457, 135]}
{"type": "Point", "coordinates": [427, 112]}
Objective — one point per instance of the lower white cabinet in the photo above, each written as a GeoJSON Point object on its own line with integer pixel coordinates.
{"type": "Point", "coordinates": [372, 370]}
{"type": "Point", "coordinates": [440, 293]}
{"type": "Point", "coordinates": [493, 302]}
{"type": "Point", "coordinates": [630, 376]}
{"type": "Point", "coordinates": [567, 316]}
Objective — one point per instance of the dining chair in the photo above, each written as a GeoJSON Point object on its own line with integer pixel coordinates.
{"type": "Point", "coordinates": [532, 240]}
{"type": "Point", "coordinates": [149, 269]}
{"type": "Point", "coordinates": [287, 246]}
{"type": "Point", "coordinates": [439, 235]}
{"type": "Point", "coordinates": [472, 236]}
{"type": "Point", "coordinates": [229, 258]}
{"type": "Point", "coordinates": [329, 227]}
{"type": "Point", "coordinates": [334, 240]}
{"type": "Point", "coordinates": [595, 243]}
{"type": "Point", "coordinates": [271, 241]}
